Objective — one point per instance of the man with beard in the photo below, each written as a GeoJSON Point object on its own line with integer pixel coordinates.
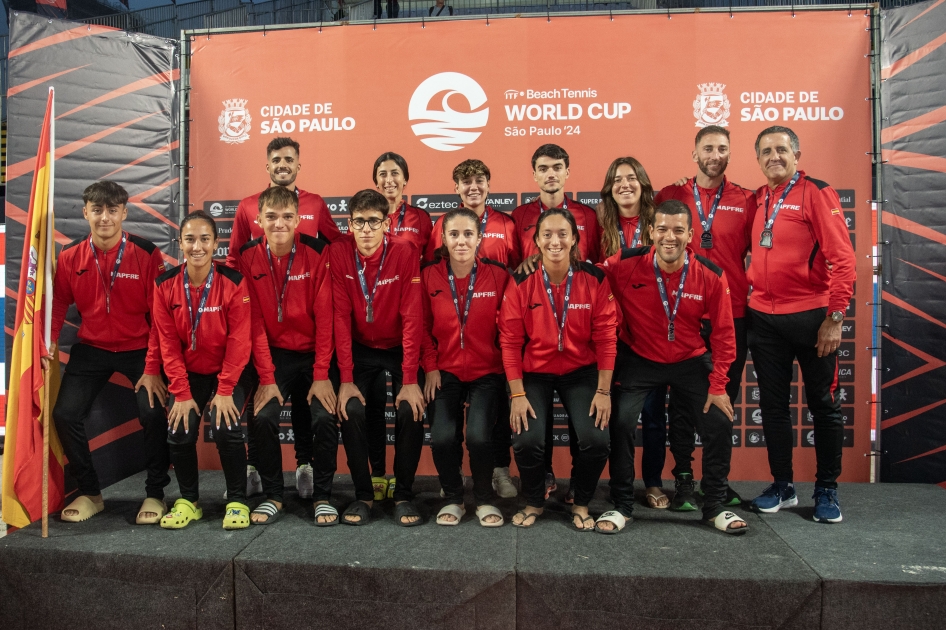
{"type": "Point", "coordinates": [724, 212]}
{"type": "Point", "coordinates": [283, 165]}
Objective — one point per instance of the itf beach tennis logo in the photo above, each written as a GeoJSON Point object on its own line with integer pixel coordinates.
{"type": "Point", "coordinates": [711, 106]}
{"type": "Point", "coordinates": [234, 121]}
{"type": "Point", "coordinates": [445, 126]}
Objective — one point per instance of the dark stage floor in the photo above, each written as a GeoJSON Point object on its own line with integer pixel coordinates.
{"type": "Point", "coordinates": [883, 568]}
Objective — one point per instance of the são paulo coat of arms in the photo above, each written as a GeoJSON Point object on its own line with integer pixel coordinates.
{"type": "Point", "coordinates": [234, 121]}
{"type": "Point", "coordinates": [711, 106]}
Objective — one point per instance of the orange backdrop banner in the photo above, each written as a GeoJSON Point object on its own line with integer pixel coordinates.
{"type": "Point", "coordinates": [640, 85]}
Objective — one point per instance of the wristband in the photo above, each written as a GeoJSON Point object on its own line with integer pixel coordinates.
{"type": "Point", "coordinates": [604, 392]}
{"type": "Point", "coordinates": [511, 396]}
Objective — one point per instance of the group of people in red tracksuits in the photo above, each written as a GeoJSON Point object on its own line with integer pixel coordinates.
{"type": "Point", "coordinates": [479, 320]}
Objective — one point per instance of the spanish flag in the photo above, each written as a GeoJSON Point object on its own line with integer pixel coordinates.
{"type": "Point", "coordinates": [23, 459]}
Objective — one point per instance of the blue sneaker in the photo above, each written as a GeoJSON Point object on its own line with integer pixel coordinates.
{"type": "Point", "coordinates": [827, 508]}
{"type": "Point", "coordinates": [778, 495]}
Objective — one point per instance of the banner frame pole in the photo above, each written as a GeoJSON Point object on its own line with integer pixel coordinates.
{"type": "Point", "coordinates": [878, 253]}
{"type": "Point", "coordinates": [183, 91]}
{"type": "Point", "coordinates": [859, 6]}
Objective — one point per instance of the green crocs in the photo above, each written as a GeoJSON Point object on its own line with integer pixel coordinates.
{"type": "Point", "coordinates": [181, 514]}
{"type": "Point", "coordinates": [237, 516]}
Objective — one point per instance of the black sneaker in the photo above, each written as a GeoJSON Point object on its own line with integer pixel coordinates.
{"type": "Point", "coordinates": [732, 497]}
{"type": "Point", "coordinates": [684, 500]}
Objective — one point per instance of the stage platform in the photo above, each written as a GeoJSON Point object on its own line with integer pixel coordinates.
{"type": "Point", "coordinates": [883, 568]}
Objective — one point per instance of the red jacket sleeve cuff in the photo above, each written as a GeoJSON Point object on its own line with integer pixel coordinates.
{"type": "Point", "coordinates": [410, 374]}
{"type": "Point", "coordinates": [347, 374]}
{"type": "Point", "coordinates": [225, 388]}
{"type": "Point", "coordinates": [319, 373]}
{"type": "Point", "coordinates": [153, 368]}
{"type": "Point", "coordinates": [430, 364]}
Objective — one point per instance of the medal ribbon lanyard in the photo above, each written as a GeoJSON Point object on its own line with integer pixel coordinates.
{"type": "Point", "coordinates": [285, 286]}
{"type": "Point", "coordinates": [469, 297]}
{"type": "Point", "coordinates": [766, 240]}
{"type": "Point", "coordinates": [706, 240]}
{"type": "Point", "coordinates": [118, 261]}
{"type": "Point", "coordinates": [195, 322]}
{"type": "Point", "coordinates": [560, 322]}
{"type": "Point", "coordinates": [671, 316]}
{"type": "Point", "coordinates": [483, 220]}
{"type": "Point", "coordinates": [369, 299]}
{"type": "Point", "coordinates": [637, 234]}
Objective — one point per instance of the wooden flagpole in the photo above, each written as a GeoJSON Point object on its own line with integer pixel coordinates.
{"type": "Point", "coordinates": [46, 412]}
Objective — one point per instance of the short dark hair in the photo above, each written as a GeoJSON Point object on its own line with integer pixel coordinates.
{"type": "Point", "coordinates": [105, 192]}
{"type": "Point", "coordinates": [673, 207]}
{"type": "Point", "coordinates": [552, 151]}
{"type": "Point", "coordinates": [470, 168]}
{"type": "Point", "coordinates": [281, 143]}
{"type": "Point", "coordinates": [709, 130]}
{"type": "Point", "coordinates": [277, 197]}
{"type": "Point", "coordinates": [792, 137]}
{"type": "Point", "coordinates": [368, 199]}
{"type": "Point", "coordinates": [199, 215]}
{"type": "Point", "coordinates": [394, 157]}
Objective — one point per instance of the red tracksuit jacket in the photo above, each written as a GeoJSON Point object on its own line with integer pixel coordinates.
{"type": "Point", "coordinates": [412, 224]}
{"type": "Point", "coordinates": [499, 240]}
{"type": "Point", "coordinates": [731, 229]}
{"type": "Point", "coordinates": [809, 234]}
{"type": "Point", "coordinates": [128, 324]}
{"type": "Point", "coordinates": [644, 323]}
{"type": "Point", "coordinates": [306, 325]}
{"type": "Point", "coordinates": [222, 335]}
{"type": "Point", "coordinates": [316, 220]}
{"type": "Point", "coordinates": [398, 312]}
{"type": "Point", "coordinates": [529, 332]}
{"type": "Point", "coordinates": [480, 354]}
{"type": "Point", "coordinates": [589, 242]}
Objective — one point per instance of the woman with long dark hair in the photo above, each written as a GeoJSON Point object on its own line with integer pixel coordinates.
{"type": "Point", "coordinates": [558, 328]}
{"type": "Point", "coordinates": [626, 213]}
{"type": "Point", "coordinates": [627, 206]}
{"type": "Point", "coordinates": [463, 363]}
{"type": "Point", "coordinates": [202, 313]}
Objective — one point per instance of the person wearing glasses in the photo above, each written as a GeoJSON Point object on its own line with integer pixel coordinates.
{"type": "Point", "coordinates": [378, 321]}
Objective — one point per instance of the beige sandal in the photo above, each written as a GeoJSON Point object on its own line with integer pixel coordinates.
{"type": "Point", "coordinates": [86, 508]}
{"type": "Point", "coordinates": [152, 506]}
{"type": "Point", "coordinates": [657, 501]}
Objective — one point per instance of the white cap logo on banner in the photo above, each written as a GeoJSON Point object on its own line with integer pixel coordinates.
{"type": "Point", "coordinates": [711, 106]}
{"type": "Point", "coordinates": [444, 125]}
{"type": "Point", "coordinates": [234, 121]}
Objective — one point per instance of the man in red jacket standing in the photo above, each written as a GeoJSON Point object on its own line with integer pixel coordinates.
{"type": "Point", "coordinates": [665, 291]}
{"type": "Point", "coordinates": [109, 275]}
{"type": "Point", "coordinates": [723, 214]}
{"type": "Point", "coordinates": [291, 291]}
{"type": "Point", "coordinates": [378, 326]}
{"type": "Point", "coordinates": [802, 279]}
{"type": "Point", "coordinates": [282, 165]}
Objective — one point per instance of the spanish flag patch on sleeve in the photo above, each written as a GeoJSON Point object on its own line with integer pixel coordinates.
{"type": "Point", "coordinates": [415, 279]}
{"type": "Point", "coordinates": [246, 299]}
{"type": "Point", "coordinates": [835, 210]}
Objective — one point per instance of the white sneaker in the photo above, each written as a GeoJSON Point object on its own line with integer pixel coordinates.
{"type": "Point", "coordinates": [305, 485]}
{"type": "Point", "coordinates": [502, 483]}
{"type": "Point", "coordinates": [254, 485]}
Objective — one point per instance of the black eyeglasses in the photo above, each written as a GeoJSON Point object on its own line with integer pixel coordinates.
{"type": "Point", "coordinates": [373, 223]}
